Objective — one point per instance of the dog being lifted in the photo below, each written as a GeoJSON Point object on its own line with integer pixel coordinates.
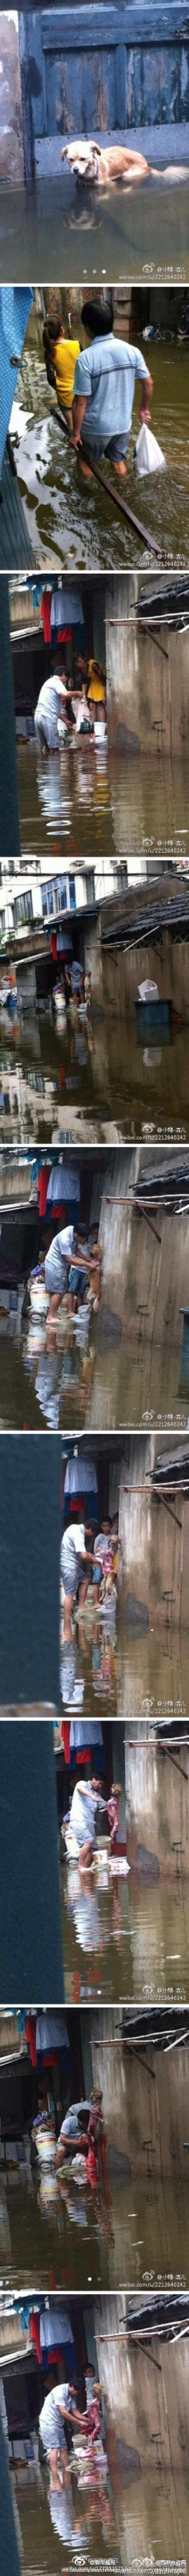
{"type": "Point", "coordinates": [108, 163]}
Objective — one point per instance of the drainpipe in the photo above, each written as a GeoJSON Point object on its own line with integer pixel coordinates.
{"type": "Point", "coordinates": [9, 810]}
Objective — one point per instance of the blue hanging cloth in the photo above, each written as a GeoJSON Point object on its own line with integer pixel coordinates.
{"type": "Point", "coordinates": [15, 302]}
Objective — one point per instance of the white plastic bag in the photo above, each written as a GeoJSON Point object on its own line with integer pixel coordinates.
{"type": "Point", "coordinates": [148, 457]}
{"type": "Point", "coordinates": [148, 992]}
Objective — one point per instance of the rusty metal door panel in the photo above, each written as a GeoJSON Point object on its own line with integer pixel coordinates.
{"type": "Point", "coordinates": [104, 70]}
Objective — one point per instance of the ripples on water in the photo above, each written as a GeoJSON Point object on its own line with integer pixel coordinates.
{"type": "Point", "coordinates": [92, 804]}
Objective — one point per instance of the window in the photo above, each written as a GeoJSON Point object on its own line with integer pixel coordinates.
{"type": "Point", "coordinates": [60, 896]}
{"type": "Point", "coordinates": [122, 877]}
{"type": "Point", "coordinates": [22, 909]}
{"type": "Point", "coordinates": [72, 894]}
{"type": "Point", "coordinates": [90, 885]}
{"type": "Point", "coordinates": [54, 896]}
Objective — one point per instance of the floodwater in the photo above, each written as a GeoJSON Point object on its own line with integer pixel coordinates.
{"type": "Point", "coordinates": [71, 524]}
{"type": "Point", "coordinates": [136, 2239]}
{"type": "Point", "coordinates": [148, 2520]}
{"type": "Point", "coordinates": [152, 1676]}
{"type": "Point", "coordinates": [43, 2551]}
{"type": "Point", "coordinates": [143, 232]}
{"type": "Point", "coordinates": [152, 2516]}
{"type": "Point", "coordinates": [93, 803]}
{"type": "Point", "coordinates": [123, 1942]}
{"type": "Point", "coordinates": [93, 1658]}
{"type": "Point", "coordinates": [93, 1077]}
{"type": "Point", "coordinates": [79, 1385]}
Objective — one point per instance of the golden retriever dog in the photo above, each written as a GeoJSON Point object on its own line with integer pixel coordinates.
{"type": "Point", "coordinates": [107, 164]}
{"type": "Point", "coordinates": [104, 164]}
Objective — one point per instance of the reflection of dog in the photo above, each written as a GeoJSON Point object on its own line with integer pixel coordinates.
{"type": "Point", "coordinates": [106, 165]}
{"type": "Point", "coordinates": [88, 161]}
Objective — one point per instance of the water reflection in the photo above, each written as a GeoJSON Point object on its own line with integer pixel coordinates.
{"type": "Point", "coordinates": [123, 1941]}
{"type": "Point", "coordinates": [94, 235]}
{"type": "Point", "coordinates": [95, 803]}
{"type": "Point", "coordinates": [93, 1074]}
{"type": "Point", "coordinates": [63, 2235]}
{"type": "Point", "coordinates": [71, 1382]}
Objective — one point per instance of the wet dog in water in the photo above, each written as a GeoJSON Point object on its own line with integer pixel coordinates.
{"type": "Point", "coordinates": [113, 162]}
{"type": "Point", "coordinates": [90, 161]}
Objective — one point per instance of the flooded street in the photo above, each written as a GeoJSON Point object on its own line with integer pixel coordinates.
{"type": "Point", "coordinates": [123, 1941]}
{"type": "Point", "coordinates": [69, 525]}
{"type": "Point", "coordinates": [127, 2243]}
{"type": "Point", "coordinates": [129, 235]}
{"type": "Point", "coordinates": [95, 1074]}
{"type": "Point", "coordinates": [94, 803]}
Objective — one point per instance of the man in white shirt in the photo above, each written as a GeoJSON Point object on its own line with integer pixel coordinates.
{"type": "Point", "coordinates": [47, 710]}
{"type": "Point", "coordinates": [83, 1817]}
{"type": "Point", "coordinates": [74, 1559]}
{"type": "Point", "coordinates": [58, 2406]}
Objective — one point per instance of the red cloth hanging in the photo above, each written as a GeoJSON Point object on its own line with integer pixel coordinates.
{"type": "Point", "coordinates": [42, 1187]}
{"type": "Point", "coordinates": [65, 1733]}
{"type": "Point", "coordinates": [35, 2335]}
{"type": "Point", "coordinates": [46, 615]}
{"type": "Point", "coordinates": [31, 2036]}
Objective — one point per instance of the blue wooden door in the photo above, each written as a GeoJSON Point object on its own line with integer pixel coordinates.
{"type": "Point", "coordinates": [102, 70]}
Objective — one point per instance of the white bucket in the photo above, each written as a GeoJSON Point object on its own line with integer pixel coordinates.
{"type": "Point", "coordinates": [39, 1299]}
{"type": "Point", "coordinates": [46, 2145]}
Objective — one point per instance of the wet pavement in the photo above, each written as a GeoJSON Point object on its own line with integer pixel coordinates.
{"type": "Point", "coordinates": [130, 235]}
{"type": "Point", "coordinates": [124, 1942]}
{"type": "Point", "coordinates": [69, 523]}
{"type": "Point", "coordinates": [138, 2239]}
{"type": "Point", "coordinates": [94, 1076]}
{"type": "Point", "coordinates": [94, 803]}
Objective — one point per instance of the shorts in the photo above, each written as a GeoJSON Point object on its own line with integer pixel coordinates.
{"type": "Point", "coordinates": [55, 2440]}
{"type": "Point", "coordinates": [98, 447]}
{"type": "Point", "coordinates": [71, 1581]}
{"type": "Point", "coordinates": [97, 1573]}
{"type": "Point", "coordinates": [56, 1287]}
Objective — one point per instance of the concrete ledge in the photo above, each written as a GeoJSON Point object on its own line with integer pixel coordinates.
{"type": "Point", "coordinates": [160, 143]}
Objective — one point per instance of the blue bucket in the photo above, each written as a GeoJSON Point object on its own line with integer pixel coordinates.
{"type": "Point", "coordinates": [153, 1022]}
